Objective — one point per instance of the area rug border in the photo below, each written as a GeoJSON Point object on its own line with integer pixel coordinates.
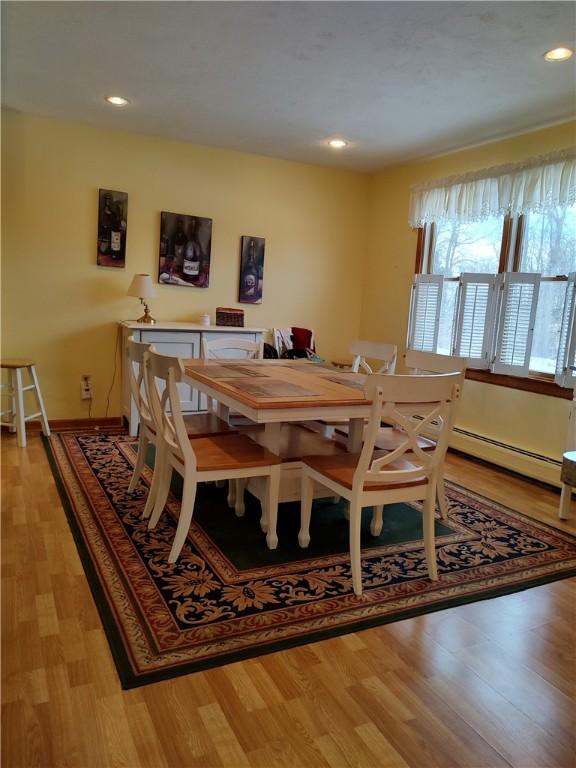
{"type": "Point", "coordinates": [127, 665]}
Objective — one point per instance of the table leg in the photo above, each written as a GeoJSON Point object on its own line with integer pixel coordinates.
{"type": "Point", "coordinates": [272, 437]}
{"type": "Point", "coordinates": [565, 498]}
{"type": "Point", "coordinates": [355, 435]}
{"type": "Point", "coordinates": [223, 411]}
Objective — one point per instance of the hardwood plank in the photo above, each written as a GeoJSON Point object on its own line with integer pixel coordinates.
{"type": "Point", "coordinates": [478, 686]}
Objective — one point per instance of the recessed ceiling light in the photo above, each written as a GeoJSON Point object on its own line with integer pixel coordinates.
{"type": "Point", "coordinates": [337, 143]}
{"type": "Point", "coordinates": [117, 101]}
{"type": "Point", "coordinates": [558, 54]}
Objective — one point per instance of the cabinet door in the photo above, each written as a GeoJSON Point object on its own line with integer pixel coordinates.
{"type": "Point", "coordinates": [181, 344]}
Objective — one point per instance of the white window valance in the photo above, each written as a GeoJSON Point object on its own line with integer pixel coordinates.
{"type": "Point", "coordinates": [537, 184]}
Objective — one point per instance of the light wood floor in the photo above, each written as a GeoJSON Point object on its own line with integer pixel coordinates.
{"type": "Point", "coordinates": [480, 686]}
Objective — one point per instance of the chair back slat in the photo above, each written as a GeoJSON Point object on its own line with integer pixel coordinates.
{"type": "Point", "coordinates": [413, 404]}
{"type": "Point", "coordinates": [217, 348]}
{"type": "Point", "coordinates": [135, 351]}
{"type": "Point", "coordinates": [431, 362]}
{"type": "Point", "coordinates": [384, 353]}
{"type": "Point", "coordinates": [162, 375]}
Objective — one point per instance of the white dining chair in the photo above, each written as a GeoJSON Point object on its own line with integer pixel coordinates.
{"type": "Point", "coordinates": [197, 424]}
{"type": "Point", "coordinates": [384, 354]}
{"type": "Point", "coordinates": [423, 363]}
{"type": "Point", "coordinates": [406, 474]}
{"type": "Point", "coordinates": [287, 339]}
{"type": "Point", "coordinates": [147, 434]}
{"type": "Point", "coordinates": [389, 437]}
{"type": "Point", "coordinates": [363, 352]}
{"type": "Point", "coordinates": [431, 362]}
{"type": "Point", "coordinates": [234, 347]}
{"type": "Point", "coordinates": [219, 457]}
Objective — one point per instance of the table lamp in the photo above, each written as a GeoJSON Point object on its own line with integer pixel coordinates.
{"type": "Point", "coordinates": [142, 287]}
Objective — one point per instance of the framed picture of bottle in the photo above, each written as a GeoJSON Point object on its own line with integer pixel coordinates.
{"type": "Point", "coordinates": [185, 243]}
{"type": "Point", "coordinates": [112, 228]}
{"type": "Point", "coordinates": [251, 269]}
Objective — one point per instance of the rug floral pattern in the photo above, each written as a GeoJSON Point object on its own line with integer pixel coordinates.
{"type": "Point", "coordinates": [164, 619]}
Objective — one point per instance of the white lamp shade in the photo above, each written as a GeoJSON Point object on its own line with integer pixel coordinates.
{"type": "Point", "coordinates": [142, 287]}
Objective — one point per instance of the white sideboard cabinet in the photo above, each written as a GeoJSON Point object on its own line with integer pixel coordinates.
{"type": "Point", "coordinates": [179, 340]}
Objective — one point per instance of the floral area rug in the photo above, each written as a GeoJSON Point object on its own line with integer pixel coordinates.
{"type": "Point", "coordinates": [230, 598]}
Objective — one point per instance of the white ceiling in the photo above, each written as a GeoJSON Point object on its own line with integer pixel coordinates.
{"type": "Point", "coordinates": [399, 80]}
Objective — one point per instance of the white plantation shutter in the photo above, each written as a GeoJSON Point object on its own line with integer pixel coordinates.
{"type": "Point", "coordinates": [517, 311]}
{"type": "Point", "coordinates": [425, 312]}
{"type": "Point", "coordinates": [475, 317]}
{"type": "Point", "coordinates": [566, 360]}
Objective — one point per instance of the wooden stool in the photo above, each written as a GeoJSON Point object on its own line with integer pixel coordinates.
{"type": "Point", "coordinates": [568, 478]}
{"type": "Point", "coordinates": [15, 391]}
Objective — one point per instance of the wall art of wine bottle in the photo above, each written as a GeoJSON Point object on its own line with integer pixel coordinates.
{"type": "Point", "coordinates": [251, 269]}
{"type": "Point", "coordinates": [185, 244]}
{"type": "Point", "coordinates": [112, 228]}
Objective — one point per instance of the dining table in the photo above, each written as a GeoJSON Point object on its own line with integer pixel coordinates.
{"type": "Point", "coordinates": [276, 392]}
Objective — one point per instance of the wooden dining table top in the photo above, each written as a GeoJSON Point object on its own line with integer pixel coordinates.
{"type": "Point", "coordinates": [279, 384]}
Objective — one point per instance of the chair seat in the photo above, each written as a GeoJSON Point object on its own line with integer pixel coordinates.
{"type": "Point", "coordinates": [340, 469]}
{"type": "Point", "coordinates": [297, 441]}
{"type": "Point", "coordinates": [206, 425]}
{"type": "Point", "coordinates": [226, 452]}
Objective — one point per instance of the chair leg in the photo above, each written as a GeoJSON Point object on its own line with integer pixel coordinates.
{"type": "Point", "coordinates": [186, 511]}
{"type": "Point", "coordinates": [428, 526]}
{"type": "Point", "coordinates": [161, 494]}
{"type": "Point", "coordinates": [347, 510]}
{"type": "Point", "coordinates": [441, 496]}
{"type": "Point", "coordinates": [232, 493]}
{"type": "Point", "coordinates": [239, 507]}
{"type": "Point", "coordinates": [377, 520]}
{"type": "Point", "coordinates": [306, 496]}
{"type": "Point", "coordinates": [272, 494]}
{"type": "Point", "coordinates": [143, 443]}
{"type": "Point", "coordinates": [154, 485]}
{"type": "Point", "coordinates": [264, 518]}
{"type": "Point", "coordinates": [355, 547]}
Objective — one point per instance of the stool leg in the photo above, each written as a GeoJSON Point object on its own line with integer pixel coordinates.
{"type": "Point", "coordinates": [12, 427]}
{"type": "Point", "coordinates": [20, 424]}
{"type": "Point", "coordinates": [565, 497]}
{"type": "Point", "coordinates": [43, 417]}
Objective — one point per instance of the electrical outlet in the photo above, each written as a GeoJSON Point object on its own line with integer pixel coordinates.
{"type": "Point", "coordinates": [86, 386]}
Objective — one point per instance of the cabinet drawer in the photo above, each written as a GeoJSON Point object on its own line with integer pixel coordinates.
{"type": "Point", "coordinates": [170, 337]}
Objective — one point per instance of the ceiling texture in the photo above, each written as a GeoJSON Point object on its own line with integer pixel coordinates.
{"type": "Point", "coordinates": [398, 80]}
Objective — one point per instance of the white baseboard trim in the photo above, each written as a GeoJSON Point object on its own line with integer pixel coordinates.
{"type": "Point", "coordinates": [534, 465]}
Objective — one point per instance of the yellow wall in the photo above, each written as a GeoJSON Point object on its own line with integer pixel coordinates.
{"type": "Point", "coordinates": [339, 255]}
{"type": "Point", "coordinates": [61, 309]}
{"type": "Point", "coordinates": [533, 422]}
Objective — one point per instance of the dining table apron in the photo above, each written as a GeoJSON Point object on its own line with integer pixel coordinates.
{"type": "Point", "coordinates": [276, 392]}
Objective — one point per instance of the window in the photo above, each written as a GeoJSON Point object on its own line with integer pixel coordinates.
{"type": "Point", "coordinates": [498, 287]}
{"type": "Point", "coordinates": [549, 248]}
{"type": "Point", "coordinates": [461, 247]}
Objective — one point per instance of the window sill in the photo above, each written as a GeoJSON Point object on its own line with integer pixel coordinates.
{"type": "Point", "coordinates": [530, 384]}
